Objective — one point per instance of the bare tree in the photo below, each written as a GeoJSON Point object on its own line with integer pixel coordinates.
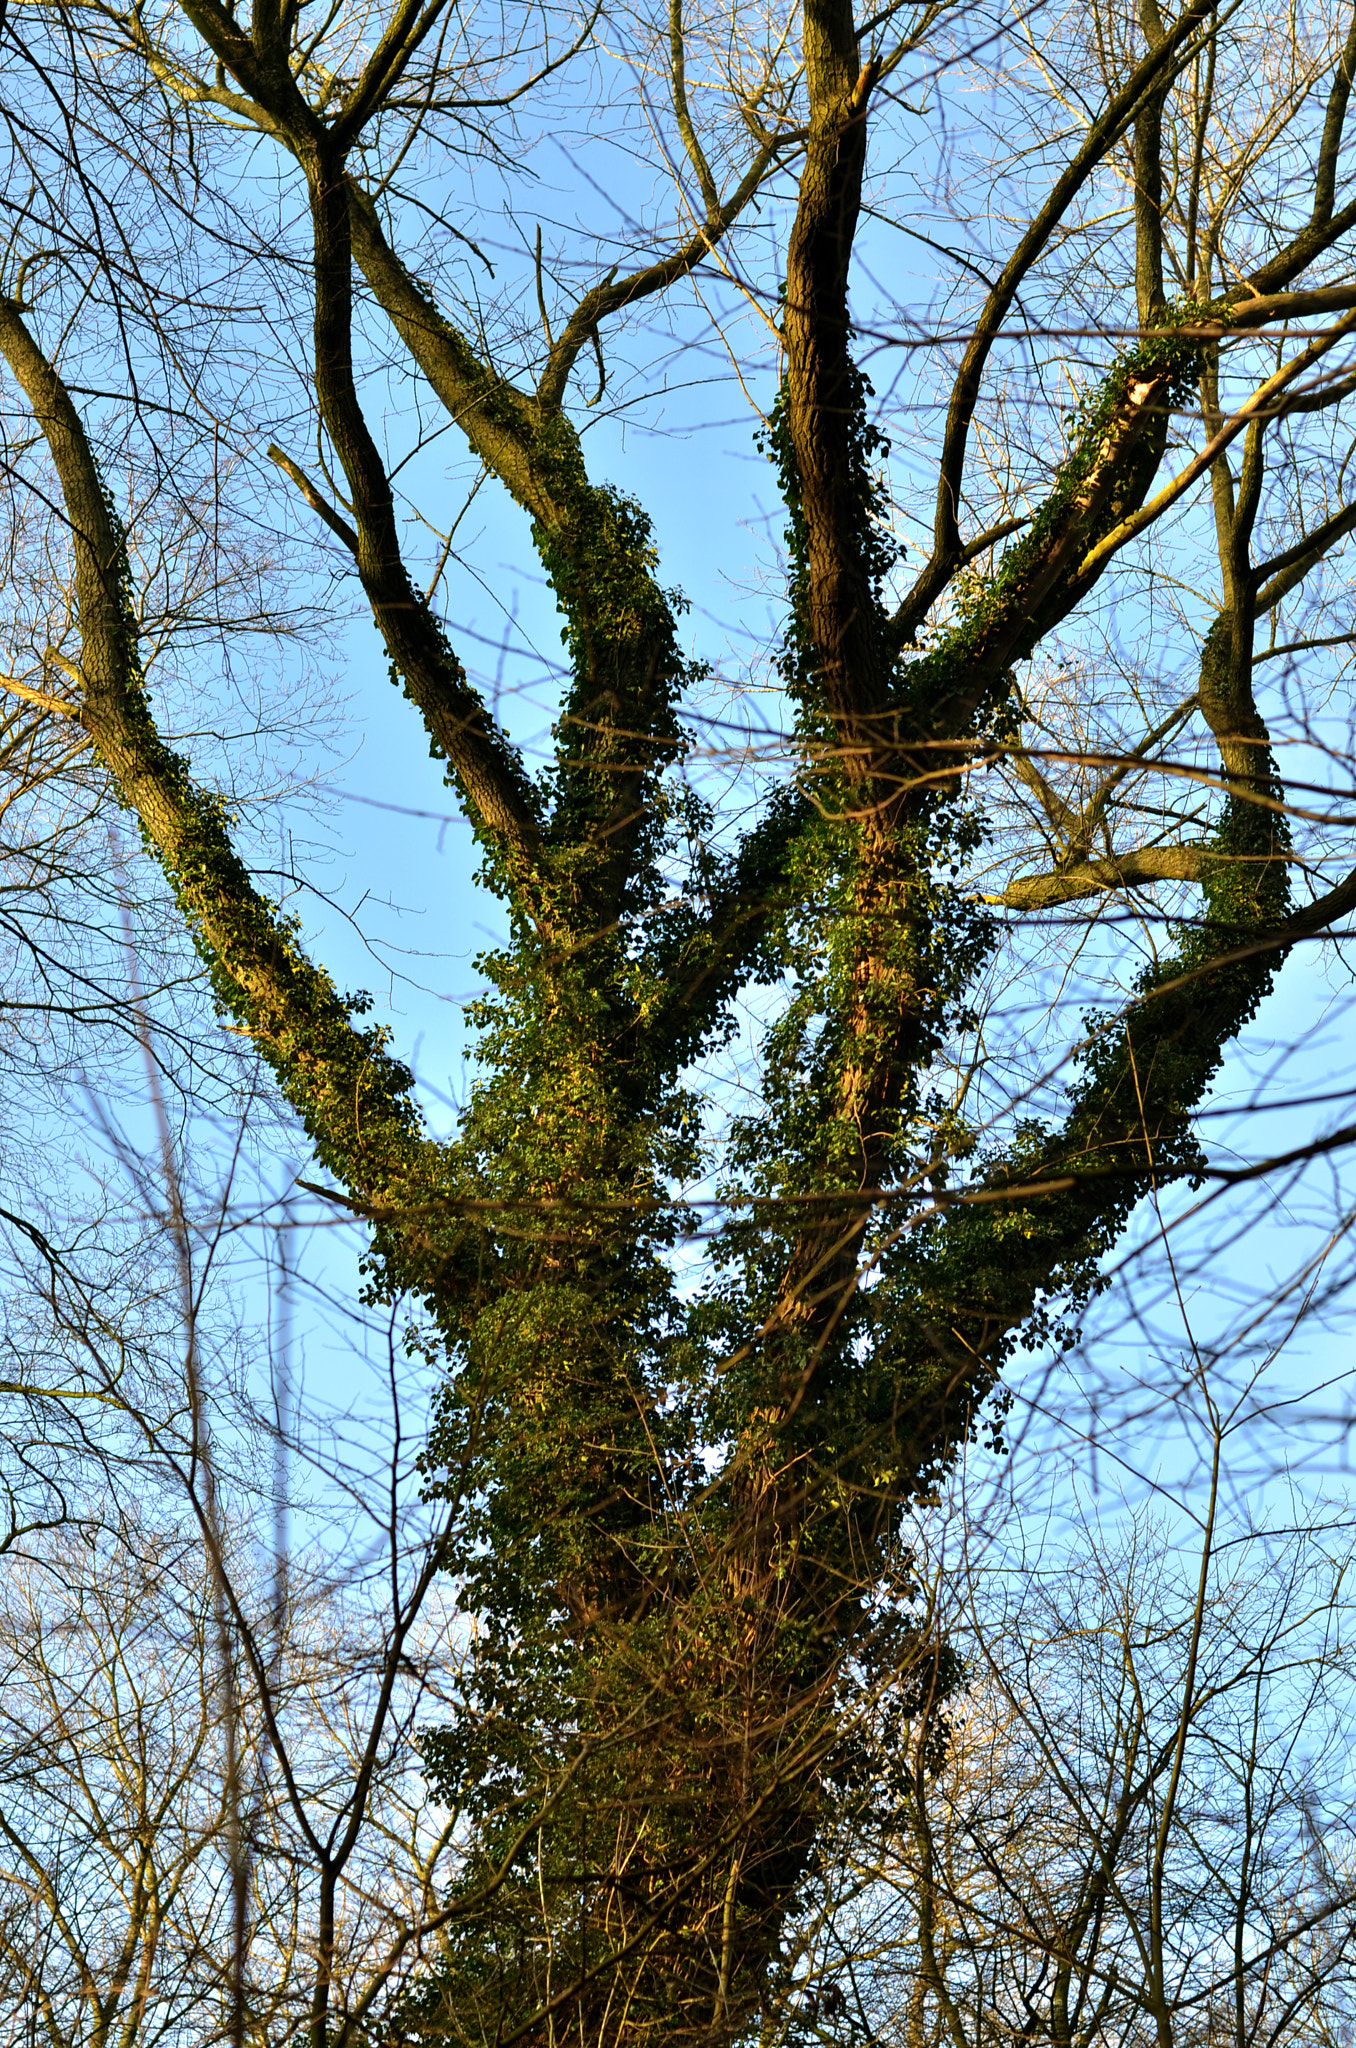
{"type": "Point", "coordinates": [118, 1866]}
{"type": "Point", "coordinates": [1125, 1813]}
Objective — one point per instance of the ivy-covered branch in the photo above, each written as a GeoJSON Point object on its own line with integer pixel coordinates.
{"type": "Point", "coordinates": [351, 1094]}
{"type": "Point", "coordinates": [1171, 53]}
{"type": "Point", "coordinates": [498, 794]}
{"type": "Point", "coordinates": [1102, 876]}
{"type": "Point", "coordinates": [502, 424]}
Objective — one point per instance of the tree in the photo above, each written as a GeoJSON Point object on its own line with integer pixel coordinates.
{"type": "Point", "coordinates": [118, 1840]}
{"type": "Point", "coordinates": [214, 1822]}
{"type": "Point", "coordinates": [674, 1511]}
{"type": "Point", "coordinates": [1122, 1812]}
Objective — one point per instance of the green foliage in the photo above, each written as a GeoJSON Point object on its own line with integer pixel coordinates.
{"type": "Point", "coordinates": [618, 735]}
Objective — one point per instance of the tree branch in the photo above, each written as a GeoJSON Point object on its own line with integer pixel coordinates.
{"type": "Point", "coordinates": [313, 498]}
{"type": "Point", "coordinates": [1097, 877]}
{"type": "Point", "coordinates": [1324, 227]}
{"type": "Point", "coordinates": [1283, 572]}
{"type": "Point", "coordinates": [1172, 53]}
{"type": "Point", "coordinates": [353, 1097]}
{"type": "Point", "coordinates": [612, 295]}
{"type": "Point", "coordinates": [489, 771]}
{"type": "Point", "coordinates": [1263, 401]}
{"type": "Point", "coordinates": [501, 423]}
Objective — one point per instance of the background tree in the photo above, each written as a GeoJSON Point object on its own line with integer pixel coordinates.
{"type": "Point", "coordinates": [214, 1817]}
{"type": "Point", "coordinates": [671, 1511]}
{"type": "Point", "coordinates": [120, 1850]}
{"type": "Point", "coordinates": [1129, 1820]}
